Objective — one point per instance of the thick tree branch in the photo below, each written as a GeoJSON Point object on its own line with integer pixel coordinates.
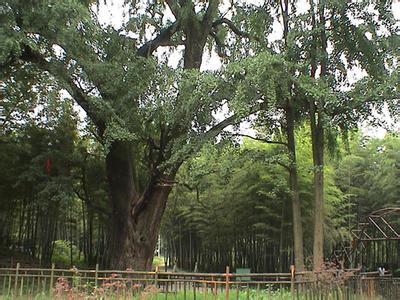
{"type": "Point", "coordinates": [261, 139]}
{"type": "Point", "coordinates": [210, 134]}
{"type": "Point", "coordinates": [216, 129]}
{"type": "Point", "coordinates": [232, 120]}
{"type": "Point", "coordinates": [233, 27]}
{"type": "Point", "coordinates": [162, 39]}
{"type": "Point", "coordinates": [210, 12]}
{"type": "Point", "coordinates": [220, 44]}
{"type": "Point", "coordinates": [58, 70]}
{"type": "Point", "coordinates": [174, 7]}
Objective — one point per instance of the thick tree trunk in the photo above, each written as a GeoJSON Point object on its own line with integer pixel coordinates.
{"type": "Point", "coordinates": [135, 220]}
{"type": "Point", "coordinates": [294, 188]}
{"type": "Point", "coordinates": [135, 248]}
{"type": "Point", "coordinates": [121, 193]}
{"type": "Point", "coordinates": [194, 50]}
{"type": "Point", "coordinates": [196, 33]}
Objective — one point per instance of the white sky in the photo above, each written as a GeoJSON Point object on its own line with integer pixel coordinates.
{"type": "Point", "coordinates": [113, 14]}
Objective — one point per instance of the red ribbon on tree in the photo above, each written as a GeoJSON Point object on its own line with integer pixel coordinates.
{"type": "Point", "coordinates": [49, 164]}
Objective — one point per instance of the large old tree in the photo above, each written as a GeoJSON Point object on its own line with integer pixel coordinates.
{"type": "Point", "coordinates": [149, 117]}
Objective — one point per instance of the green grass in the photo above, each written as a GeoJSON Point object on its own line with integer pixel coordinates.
{"type": "Point", "coordinates": [170, 296]}
{"type": "Point", "coordinates": [200, 295]}
{"type": "Point", "coordinates": [233, 295]}
{"type": "Point", "coordinates": [152, 293]}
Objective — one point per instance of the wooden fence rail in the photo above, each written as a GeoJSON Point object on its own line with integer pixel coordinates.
{"type": "Point", "coordinates": [129, 284]}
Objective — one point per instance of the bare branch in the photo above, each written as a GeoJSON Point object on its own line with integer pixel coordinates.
{"type": "Point", "coordinates": [58, 70]}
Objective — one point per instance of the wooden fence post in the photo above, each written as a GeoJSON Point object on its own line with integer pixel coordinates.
{"type": "Point", "coordinates": [184, 289]}
{"type": "Point", "coordinates": [4, 283]}
{"type": "Point", "coordinates": [227, 283]}
{"type": "Point", "coordinates": [9, 282]}
{"type": "Point", "coordinates": [292, 280]}
{"type": "Point", "coordinates": [51, 280]}
{"type": "Point", "coordinates": [96, 274]}
{"type": "Point", "coordinates": [16, 280]}
{"type": "Point", "coordinates": [194, 290]}
{"type": "Point", "coordinates": [42, 282]}
{"type": "Point", "coordinates": [21, 288]}
{"type": "Point", "coordinates": [156, 280]}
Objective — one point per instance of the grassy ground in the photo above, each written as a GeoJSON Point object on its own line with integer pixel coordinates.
{"type": "Point", "coordinates": [189, 295]}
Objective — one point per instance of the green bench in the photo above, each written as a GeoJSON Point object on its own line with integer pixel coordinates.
{"type": "Point", "coordinates": [243, 271]}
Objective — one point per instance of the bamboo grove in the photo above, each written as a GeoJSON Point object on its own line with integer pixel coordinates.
{"type": "Point", "coordinates": [239, 213]}
{"type": "Point", "coordinates": [231, 205]}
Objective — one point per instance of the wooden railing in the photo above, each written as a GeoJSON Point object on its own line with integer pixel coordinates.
{"type": "Point", "coordinates": [30, 282]}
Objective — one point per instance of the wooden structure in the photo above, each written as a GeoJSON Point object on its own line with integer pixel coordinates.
{"type": "Point", "coordinates": [376, 242]}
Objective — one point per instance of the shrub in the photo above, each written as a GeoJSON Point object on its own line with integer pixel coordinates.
{"type": "Point", "coordinates": [62, 254]}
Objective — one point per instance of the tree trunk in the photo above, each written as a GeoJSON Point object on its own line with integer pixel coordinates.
{"type": "Point", "coordinates": [294, 189]}
{"type": "Point", "coordinates": [136, 246]}
{"type": "Point", "coordinates": [196, 33]}
{"type": "Point", "coordinates": [194, 50]}
{"type": "Point", "coordinates": [135, 220]}
{"type": "Point", "coordinates": [317, 134]}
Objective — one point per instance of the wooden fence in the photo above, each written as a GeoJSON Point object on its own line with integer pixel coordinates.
{"type": "Point", "coordinates": [74, 283]}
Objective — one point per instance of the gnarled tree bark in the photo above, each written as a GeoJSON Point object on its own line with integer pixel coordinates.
{"type": "Point", "coordinates": [136, 218]}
